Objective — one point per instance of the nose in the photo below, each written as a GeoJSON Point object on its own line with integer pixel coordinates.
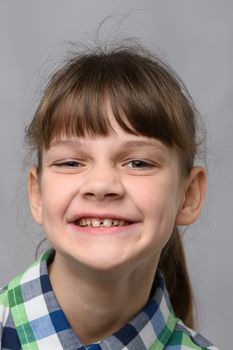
{"type": "Point", "coordinates": [102, 183]}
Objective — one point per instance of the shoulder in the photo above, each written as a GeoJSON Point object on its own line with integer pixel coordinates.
{"type": "Point", "coordinates": [12, 299]}
{"type": "Point", "coordinates": [11, 294]}
{"type": "Point", "coordinates": [4, 305]}
{"type": "Point", "coordinates": [4, 310]}
{"type": "Point", "coordinates": [8, 335]}
{"type": "Point", "coordinates": [187, 338]}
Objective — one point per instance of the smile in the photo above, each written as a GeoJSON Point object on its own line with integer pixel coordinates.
{"type": "Point", "coordinates": [95, 222]}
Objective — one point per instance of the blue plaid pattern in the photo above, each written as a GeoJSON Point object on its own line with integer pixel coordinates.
{"type": "Point", "coordinates": [31, 319]}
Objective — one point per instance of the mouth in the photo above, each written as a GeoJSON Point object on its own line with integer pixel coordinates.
{"type": "Point", "coordinates": [96, 222]}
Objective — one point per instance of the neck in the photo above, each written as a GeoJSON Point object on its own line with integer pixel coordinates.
{"type": "Point", "coordinates": [97, 304]}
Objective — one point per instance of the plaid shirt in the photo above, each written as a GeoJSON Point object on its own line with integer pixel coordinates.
{"type": "Point", "coordinates": [31, 319]}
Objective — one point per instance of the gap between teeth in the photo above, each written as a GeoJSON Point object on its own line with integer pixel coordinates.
{"type": "Point", "coordinates": [101, 223]}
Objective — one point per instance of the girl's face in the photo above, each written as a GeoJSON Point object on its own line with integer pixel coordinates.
{"type": "Point", "coordinates": [110, 201]}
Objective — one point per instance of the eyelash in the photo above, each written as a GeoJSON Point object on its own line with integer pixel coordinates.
{"type": "Point", "coordinates": [140, 164]}
{"type": "Point", "coordinates": [143, 164]}
{"type": "Point", "coordinates": [69, 164]}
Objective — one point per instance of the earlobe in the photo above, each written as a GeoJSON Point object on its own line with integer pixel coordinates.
{"type": "Point", "coordinates": [193, 198]}
{"type": "Point", "coordinates": [34, 195]}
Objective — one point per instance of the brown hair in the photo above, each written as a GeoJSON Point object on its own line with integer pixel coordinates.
{"type": "Point", "coordinates": [147, 98]}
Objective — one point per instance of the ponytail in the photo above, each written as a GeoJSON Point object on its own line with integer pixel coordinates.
{"type": "Point", "coordinates": [172, 263]}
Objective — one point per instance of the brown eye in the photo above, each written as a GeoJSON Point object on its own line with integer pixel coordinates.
{"type": "Point", "coordinates": [69, 164]}
{"type": "Point", "coordinates": [139, 164]}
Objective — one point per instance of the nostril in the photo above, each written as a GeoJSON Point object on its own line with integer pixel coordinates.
{"type": "Point", "coordinates": [111, 195]}
{"type": "Point", "coordinates": [90, 194]}
{"type": "Point", "coordinates": [101, 195]}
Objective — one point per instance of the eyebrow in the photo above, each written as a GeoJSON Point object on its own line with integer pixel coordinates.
{"type": "Point", "coordinates": [67, 143]}
{"type": "Point", "coordinates": [143, 143]}
{"type": "Point", "coordinates": [156, 144]}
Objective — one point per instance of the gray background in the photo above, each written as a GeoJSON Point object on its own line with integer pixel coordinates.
{"type": "Point", "coordinates": [196, 38]}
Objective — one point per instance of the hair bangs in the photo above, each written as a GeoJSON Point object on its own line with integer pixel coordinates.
{"type": "Point", "coordinates": [145, 97]}
{"type": "Point", "coordinates": [82, 113]}
{"type": "Point", "coordinates": [140, 108]}
{"type": "Point", "coordinates": [82, 109]}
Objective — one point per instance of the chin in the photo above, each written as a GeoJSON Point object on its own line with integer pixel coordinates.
{"type": "Point", "coordinates": [99, 261]}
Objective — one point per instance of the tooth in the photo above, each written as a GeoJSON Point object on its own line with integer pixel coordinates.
{"type": "Point", "coordinates": [95, 222]}
{"type": "Point", "coordinates": [107, 223]}
{"type": "Point", "coordinates": [82, 222]}
{"type": "Point", "coordinates": [88, 222]}
{"type": "Point", "coordinates": [101, 222]}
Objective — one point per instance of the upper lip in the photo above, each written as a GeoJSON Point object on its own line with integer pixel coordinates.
{"type": "Point", "coordinates": [99, 216]}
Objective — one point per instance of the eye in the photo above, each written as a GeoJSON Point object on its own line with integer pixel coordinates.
{"type": "Point", "coordinates": [68, 164]}
{"type": "Point", "coordinates": [139, 164]}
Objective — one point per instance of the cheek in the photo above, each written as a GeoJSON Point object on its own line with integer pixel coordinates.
{"type": "Point", "coordinates": [55, 196]}
{"type": "Point", "coordinates": [155, 196]}
{"type": "Point", "coordinates": [157, 200]}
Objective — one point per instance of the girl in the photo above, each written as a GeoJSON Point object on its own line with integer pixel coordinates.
{"type": "Point", "coordinates": [115, 138]}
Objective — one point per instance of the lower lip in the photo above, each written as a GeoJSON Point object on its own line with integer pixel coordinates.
{"type": "Point", "coordinates": [103, 230]}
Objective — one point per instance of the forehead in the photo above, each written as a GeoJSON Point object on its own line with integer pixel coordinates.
{"type": "Point", "coordinates": [117, 140]}
{"type": "Point", "coordinates": [118, 144]}
{"type": "Point", "coordinates": [117, 136]}
{"type": "Point", "coordinates": [130, 142]}
{"type": "Point", "coordinates": [81, 115]}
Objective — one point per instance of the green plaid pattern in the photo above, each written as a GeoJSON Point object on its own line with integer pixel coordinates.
{"type": "Point", "coordinates": [31, 319]}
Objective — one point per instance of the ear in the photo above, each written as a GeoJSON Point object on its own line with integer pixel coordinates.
{"type": "Point", "coordinates": [34, 195]}
{"type": "Point", "coordinates": [192, 201]}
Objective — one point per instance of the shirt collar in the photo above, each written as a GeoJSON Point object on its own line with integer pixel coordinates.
{"type": "Point", "coordinates": [39, 318]}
